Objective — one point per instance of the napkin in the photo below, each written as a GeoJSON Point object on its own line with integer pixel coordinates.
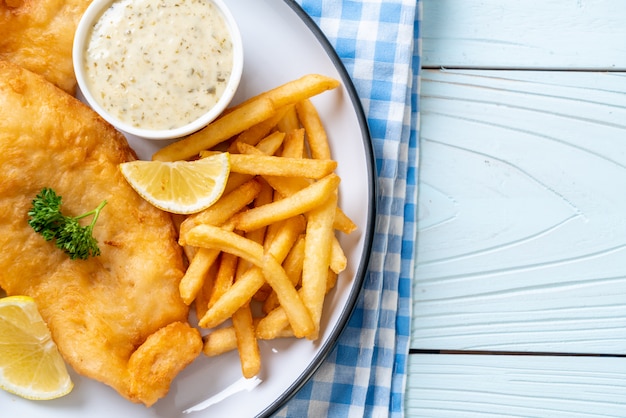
{"type": "Point", "coordinates": [364, 375]}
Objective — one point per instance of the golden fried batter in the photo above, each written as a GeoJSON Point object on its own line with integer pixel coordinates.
{"type": "Point", "coordinates": [118, 317]}
{"type": "Point", "coordinates": [38, 35]}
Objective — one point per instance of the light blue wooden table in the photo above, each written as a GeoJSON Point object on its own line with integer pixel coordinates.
{"type": "Point", "coordinates": [520, 290]}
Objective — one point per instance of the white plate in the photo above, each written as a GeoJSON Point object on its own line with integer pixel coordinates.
{"type": "Point", "coordinates": [281, 44]}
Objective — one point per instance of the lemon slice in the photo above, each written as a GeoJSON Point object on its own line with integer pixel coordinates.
{"type": "Point", "coordinates": [30, 363]}
{"type": "Point", "coordinates": [181, 187]}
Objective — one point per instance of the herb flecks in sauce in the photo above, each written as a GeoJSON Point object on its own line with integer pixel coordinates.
{"type": "Point", "coordinates": [159, 64]}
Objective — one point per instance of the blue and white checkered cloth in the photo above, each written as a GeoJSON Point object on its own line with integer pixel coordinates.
{"type": "Point", "coordinates": [365, 374]}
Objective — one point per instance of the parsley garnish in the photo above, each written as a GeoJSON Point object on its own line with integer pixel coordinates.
{"type": "Point", "coordinates": [46, 218]}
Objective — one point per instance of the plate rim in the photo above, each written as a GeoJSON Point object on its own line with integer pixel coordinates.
{"type": "Point", "coordinates": [359, 277]}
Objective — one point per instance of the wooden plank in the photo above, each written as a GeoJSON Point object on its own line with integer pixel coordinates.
{"type": "Point", "coordinates": [529, 34]}
{"type": "Point", "coordinates": [522, 212]}
{"type": "Point", "coordinates": [515, 386]}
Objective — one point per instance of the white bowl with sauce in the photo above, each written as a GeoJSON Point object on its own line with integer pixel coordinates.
{"type": "Point", "coordinates": [158, 69]}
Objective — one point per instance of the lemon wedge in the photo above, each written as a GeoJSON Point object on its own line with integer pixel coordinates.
{"type": "Point", "coordinates": [30, 363]}
{"type": "Point", "coordinates": [181, 187]}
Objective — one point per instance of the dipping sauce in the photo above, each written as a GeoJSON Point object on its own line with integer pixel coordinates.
{"type": "Point", "coordinates": [159, 64]}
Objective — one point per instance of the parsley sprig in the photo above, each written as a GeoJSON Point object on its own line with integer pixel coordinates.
{"type": "Point", "coordinates": [75, 240]}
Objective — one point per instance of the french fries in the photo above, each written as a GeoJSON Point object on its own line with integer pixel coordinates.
{"type": "Point", "coordinates": [246, 115]}
{"type": "Point", "coordinates": [298, 203]}
{"type": "Point", "coordinates": [318, 141]}
{"type": "Point", "coordinates": [317, 250]}
{"type": "Point", "coordinates": [263, 257]}
{"type": "Point", "coordinates": [223, 128]}
{"type": "Point", "coordinates": [246, 341]}
{"type": "Point", "coordinates": [267, 165]}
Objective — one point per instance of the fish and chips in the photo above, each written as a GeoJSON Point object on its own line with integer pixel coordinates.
{"type": "Point", "coordinates": [255, 265]}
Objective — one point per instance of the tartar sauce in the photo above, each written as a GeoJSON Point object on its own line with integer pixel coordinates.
{"type": "Point", "coordinates": [159, 64]}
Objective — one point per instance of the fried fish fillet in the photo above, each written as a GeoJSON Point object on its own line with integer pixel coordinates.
{"type": "Point", "coordinates": [118, 317]}
{"type": "Point", "coordinates": [38, 35]}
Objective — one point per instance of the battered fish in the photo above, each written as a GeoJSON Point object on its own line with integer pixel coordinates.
{"type": "Point", "coordinates": [118, 317]}
{"type": "Point", "coordinates": [38, 35]}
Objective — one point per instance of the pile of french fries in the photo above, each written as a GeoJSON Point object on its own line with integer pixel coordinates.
{"type": "Point", "coordinates": [263, 257]}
